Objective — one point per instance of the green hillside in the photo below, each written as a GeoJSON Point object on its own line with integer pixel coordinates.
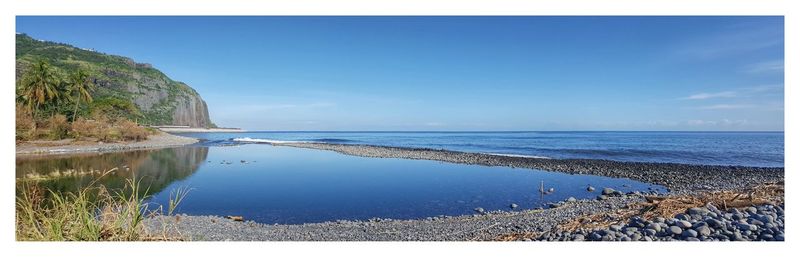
{"type": "Point", "coordinates": [158, 99]}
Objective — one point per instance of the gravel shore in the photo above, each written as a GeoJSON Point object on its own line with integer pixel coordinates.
{"type": "Point", "coordinates": [677, 177]}
{"type": "Point", "coordinates": [756, 223]}
{"type": "Point", "coordinates": [161, 140]}
{"type": "Point", "coordinates": [486, 226]}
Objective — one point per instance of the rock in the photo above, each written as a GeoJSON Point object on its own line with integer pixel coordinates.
{"type": "Point", "coordinates": [513, 206]}
{"type": "Point", "coordinates": [551, 190]}
{"type": "Point", "coordinates": [689, 233]}
{"type": "Point", "coordinates": [683, 224]}
{"type": "Point", "coordinates": [746, 227]}
{"type": "Point", "coordinates": [602, 197]}
{"type": "Point", "coordinates": [595, 236]}
{"type": "Point", "coordinates": [555, 205]}
{"type": "Point", "coordinates": [590, 189]}
{"type": "Point", "coordinates": [479, 210]}
{"type": "Point", "coordinates": [698, 211]}
{"type": "Point", "coordinates": [714, 223]}
{"type": "Point", "coordinates": [577, 237]}
{"type": "Point", "coordinates": [655, 227]}
{"type": "Point", "coordinates": [675, 230]}
{"type": "Point", "coordinates": [704, 231]}
{"type": "Point", "coordinates": [571, 199]}
{"type": "Point", "coordinates": [608, 191]}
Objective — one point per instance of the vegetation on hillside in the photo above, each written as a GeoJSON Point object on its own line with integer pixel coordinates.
{"type": "Point", "coordinates": [47, 100]}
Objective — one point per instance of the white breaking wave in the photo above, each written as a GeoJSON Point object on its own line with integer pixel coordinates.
{"type": "Point", "coordinates": [518, 155]}
{"type": "Point", "coordinates": [268, 141]}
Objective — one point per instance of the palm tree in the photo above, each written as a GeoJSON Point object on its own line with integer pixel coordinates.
{"type": "Point", "coordinates": [80, 87]}
{"type": "Point", "coordinates": [39, 85]}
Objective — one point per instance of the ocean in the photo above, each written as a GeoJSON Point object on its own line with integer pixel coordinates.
{"type": "Point", "coordinates": [761, 149]}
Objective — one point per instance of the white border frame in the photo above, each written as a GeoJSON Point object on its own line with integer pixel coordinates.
{"type": "Point", "coordinates": [10, 9]}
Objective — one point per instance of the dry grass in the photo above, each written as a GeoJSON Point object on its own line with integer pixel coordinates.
{"type": "Point", "coordinates": [91, 214]}
{"type": "Point", "coordinates": [130, 131]}
{"type": "Point", "coordinates": [57, 127]}
{"type": "Point", "coordinates": [667, 207]}
{"type": "Point", "coordinates": [83, 128]}
{"type": "Point", "coordinates": [25, 123]}
{"type": "Point", "coordinates": [107, 131]}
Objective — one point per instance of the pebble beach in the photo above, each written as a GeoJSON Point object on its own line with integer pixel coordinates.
{"type": "Point", "coordinates": [703, 223]}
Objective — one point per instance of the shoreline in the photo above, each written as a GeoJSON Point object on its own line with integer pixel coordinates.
{"type": "Point", "coordinates": [201, 130]}
{"type": "Point", "coordinates": [476, 227]}
{"type": "Point", "coordinates": [502, 225]}
{"type": "Point", "coordinates": [601, 221]}
{"type": "Point", "coordinates": [679, 178]}
{"type": "Point", "coordinates": [161, 140]}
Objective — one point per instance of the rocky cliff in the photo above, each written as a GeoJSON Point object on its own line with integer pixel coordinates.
{"type": "Point", "coordinates": [159, 99]}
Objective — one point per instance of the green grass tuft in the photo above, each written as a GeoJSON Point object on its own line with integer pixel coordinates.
{"type": "Point", "coordinates": [91, 214]}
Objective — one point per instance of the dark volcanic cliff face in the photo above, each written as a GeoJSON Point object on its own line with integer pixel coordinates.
{"type": "Point", "coordinates": [159, 99]}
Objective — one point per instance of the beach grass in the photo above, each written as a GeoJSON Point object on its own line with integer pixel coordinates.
{"type": "Point", "coordinates": [91, 214]}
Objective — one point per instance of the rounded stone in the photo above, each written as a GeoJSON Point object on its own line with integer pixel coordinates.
{"type": "Point", "coordinates": [704, 231]}
{"type": "Point", "coordinates": [683, 224]}
{"type": "Point", "coordinates": [655, 227]}
{"type": "Point", "coordinates": [698, 210]}
{"type": "Point", "coordinates": [675, 230]}
{"type": "Point", "coordinates": [689, 233]}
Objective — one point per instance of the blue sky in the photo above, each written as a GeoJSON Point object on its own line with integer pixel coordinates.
{"type": "Point", "coordinates": [458, 73]}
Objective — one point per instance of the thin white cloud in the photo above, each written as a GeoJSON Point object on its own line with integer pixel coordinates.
{"type": "Point", "coordinates": [774, 66]}
{"type": "Point", "coordinates": [726, 106]}
{"type": "Point", "coordinates": [741, 92]}
{"type": "Point", "coordinates": [703, 96]}
{"type": "Point", "coordinates": [720, 123]}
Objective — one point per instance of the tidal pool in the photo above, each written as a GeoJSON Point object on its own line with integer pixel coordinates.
{"type": "Point", "coordinates": [275, 184]}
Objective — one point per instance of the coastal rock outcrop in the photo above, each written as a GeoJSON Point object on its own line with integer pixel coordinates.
{"type": "Point", "coordinates": [159, 99]}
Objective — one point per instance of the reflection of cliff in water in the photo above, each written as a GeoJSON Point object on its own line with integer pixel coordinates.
{"type": "Point", "coordinates": [155, 169]}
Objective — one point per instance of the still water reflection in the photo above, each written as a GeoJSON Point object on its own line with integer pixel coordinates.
{"type": "Point", "coordinates": [273, 184]}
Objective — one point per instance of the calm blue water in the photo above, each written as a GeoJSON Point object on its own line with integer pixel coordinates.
{"type": "Point", "coordinates": [718, 148]}
{"type": "Point", "coordinates": [292, 185]}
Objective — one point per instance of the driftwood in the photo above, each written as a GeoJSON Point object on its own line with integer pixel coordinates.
{"type": "Point", "coordinates": [235, 218]}
{"type": "Point", "coordinates": [669, 206]}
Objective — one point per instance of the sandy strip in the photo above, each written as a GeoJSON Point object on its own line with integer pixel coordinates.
{"type": "Point", "coordinates": [161, 140]}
